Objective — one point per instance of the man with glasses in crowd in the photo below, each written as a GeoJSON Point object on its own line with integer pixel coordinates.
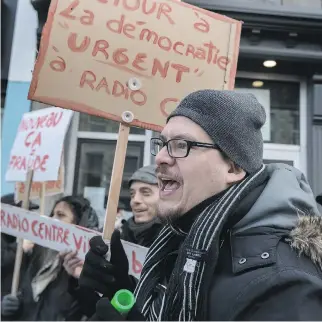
{"type": "Point", "coordinates": [241, 240]}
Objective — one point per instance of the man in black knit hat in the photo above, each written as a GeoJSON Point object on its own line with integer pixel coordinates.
{"type": "Point", "coordinates": [241, 241]}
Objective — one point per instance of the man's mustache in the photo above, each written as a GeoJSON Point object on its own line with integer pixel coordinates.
{"type": "Point", "coordinates": [164, 170]}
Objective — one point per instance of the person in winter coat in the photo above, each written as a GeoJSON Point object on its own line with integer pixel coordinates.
{"type": "Point", "coordinates": [8, 249]}
{"type": "Point", "coordinates": [49, 280]}
{"type": "Point", "coordinates": [141, 229]}
{"type": "Point", "coordinates": [144, 226]}
{"type": "Point", "coordinates": [241, 242]}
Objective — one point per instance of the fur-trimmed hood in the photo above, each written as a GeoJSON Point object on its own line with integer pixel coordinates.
{"type": "Point", "coordinates": [306, 237]}
{"type": "Point", "coordinates": [287, 202]}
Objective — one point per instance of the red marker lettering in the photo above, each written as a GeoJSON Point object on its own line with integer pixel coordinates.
{"type": "Point", "coordinates": [33, 227]}
{"type": "Point", "coordinates": [73, 46]}
{"type": "Point", "coordinates": [78, 242]}
{"type": "Point", "coordinates": [67, 12]}
{"type": "Point", "coordinates": [60, 235]}
{"type": "Point", "coordinates": [157, 67]}
{"type": "Point", "coordinates": [3, 222]}
{"type": "Point", "coordinates": [136, 265]}
{"type": "Point", "coordinates": [25, 225]}
{"type": "Point", "coordinates": [164, 9]}
{"type": "Point", "coordinates": [66, 236]}
{"type": "Point", "coordinates": [88, 78]}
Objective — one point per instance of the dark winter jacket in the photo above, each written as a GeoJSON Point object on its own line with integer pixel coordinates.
{"type": "Point", "coordinates": [142, 234]}
{"type": "Point", "coordinates": [8, 255]}
{"type": "Point", "coordinates": [55, 303]}
{"type": "Point", "coordinates": [270, 260]}
{"type": "Point", "coordinates": [8, 249]}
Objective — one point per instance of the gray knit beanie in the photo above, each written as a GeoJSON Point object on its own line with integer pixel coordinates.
{"type": "Point", "coordinates": [233, 121]}
{"type": "Point", "coordinates": [145, 174]}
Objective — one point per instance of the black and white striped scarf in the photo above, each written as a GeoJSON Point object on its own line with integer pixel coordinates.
{"type": "Point", "coordinates": [185, 298]}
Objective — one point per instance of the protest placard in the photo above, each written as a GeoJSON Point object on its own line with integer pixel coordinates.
{"type": "Point", "coordinates": [38, 145]}
{"type": "Point", "coordinates": [107, 58]}
{"type": "Point", "coordinates": [51, 187]}
{"type": "Point", "coordinates": [59, 236]}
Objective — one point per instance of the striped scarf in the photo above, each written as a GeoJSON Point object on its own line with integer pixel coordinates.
{"type": "Point", "coordinates": [185, 298]}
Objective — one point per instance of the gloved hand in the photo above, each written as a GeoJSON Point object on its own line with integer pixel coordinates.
{"type": "Point", "coordinates": [101, 275]}
{"type": "Point", "coordinates": [10, 305]}
{"type": "Point", "coordinates": [106, 312]}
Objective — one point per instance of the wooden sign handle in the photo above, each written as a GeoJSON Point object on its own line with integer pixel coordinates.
{"type": "Point", "coordinates": [19, 252]}
{"type": "Point", "coordinates": [116, 181]}
{"type": "Point", "coordinates": [42, 198]}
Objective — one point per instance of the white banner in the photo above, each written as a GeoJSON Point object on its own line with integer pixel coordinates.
{"type": "Point", "coordinates": [57, 235]}
{"type": "Point", "coordinates": [39, 144]}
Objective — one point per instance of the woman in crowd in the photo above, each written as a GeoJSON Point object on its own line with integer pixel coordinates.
{"type": "Point", "coordinates": [49, 279]}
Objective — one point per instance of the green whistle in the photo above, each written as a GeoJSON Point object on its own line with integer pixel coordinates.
{"type": "Point", "coordinates": [123, 301]}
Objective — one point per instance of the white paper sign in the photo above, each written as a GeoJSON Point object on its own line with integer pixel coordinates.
{"type": "Point", "coordinates": [59, 236]}
{"type": "Point", "coordinates": [263, 97]}
{"type": "Point", "coordinates": [39, 144]}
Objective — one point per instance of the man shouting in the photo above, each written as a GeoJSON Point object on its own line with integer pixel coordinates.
{"type": "Point", "coordinates": [241, 240]}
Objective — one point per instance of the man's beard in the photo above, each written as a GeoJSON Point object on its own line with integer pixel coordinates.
{"type": "Point", "coordinates": [168, 216]}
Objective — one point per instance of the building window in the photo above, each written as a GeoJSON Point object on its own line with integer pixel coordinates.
{"type": "Point", "coordinates": [94, 164]}
{"type": "Point", "coordinates": [281, 101]}
{"type": "Point", "coordinates": [93, 123]}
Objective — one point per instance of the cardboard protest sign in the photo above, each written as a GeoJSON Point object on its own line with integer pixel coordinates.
{"type": "Point", "coordinates": [51, 187]}
{"type": "Point", "coordinates": [107, 58]}
{"type": "Point", "coordinates": [59, 236]}
{"type": "Point", "coordinates": [38, 145]}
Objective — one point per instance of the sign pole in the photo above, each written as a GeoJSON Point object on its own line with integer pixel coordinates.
{"type": "Point", "coordinates": [116, 181]}
{"type": "Point", "coordinates": [19, 252]}
{"type": "Point", "coordinates": [42, 198]}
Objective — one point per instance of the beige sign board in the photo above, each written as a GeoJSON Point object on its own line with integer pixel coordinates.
{"type": "Point", "coordinates": [108, 57]}
{"type": "Point", "coordinates": [51, 187]}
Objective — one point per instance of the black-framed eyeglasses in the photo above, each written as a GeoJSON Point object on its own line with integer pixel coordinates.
{"type": "Point", "coordinates": [178, 148]}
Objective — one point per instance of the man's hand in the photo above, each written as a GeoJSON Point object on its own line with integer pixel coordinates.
{"type": "Point", "coordinates": [106, 277]}
{"type": "Point", "coordinates": [10, 305]}
{"type": "Point", "coordinates": [27, 246]}
{"type": "Point", "coordinates": [72, 264]}
{"type": "Point", "coordinates": [106, 312]}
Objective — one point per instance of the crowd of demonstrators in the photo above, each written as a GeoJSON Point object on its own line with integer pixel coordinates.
{"type": "Point", "coordinates": [245, 237]}
{"type": "Point", "coordinates": [241, 240]}
{"type": "Point", "coordinates": [8, 248]}
{"type": "Point", "coordinates": [49, 280]}
{"type": "Point", "coordinates": [47, 275]}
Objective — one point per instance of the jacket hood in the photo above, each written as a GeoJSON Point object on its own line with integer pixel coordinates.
{"type": "Point", "coordinates": [287, 202]}
{"type": "Point", "coordinates": [306, 237]}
